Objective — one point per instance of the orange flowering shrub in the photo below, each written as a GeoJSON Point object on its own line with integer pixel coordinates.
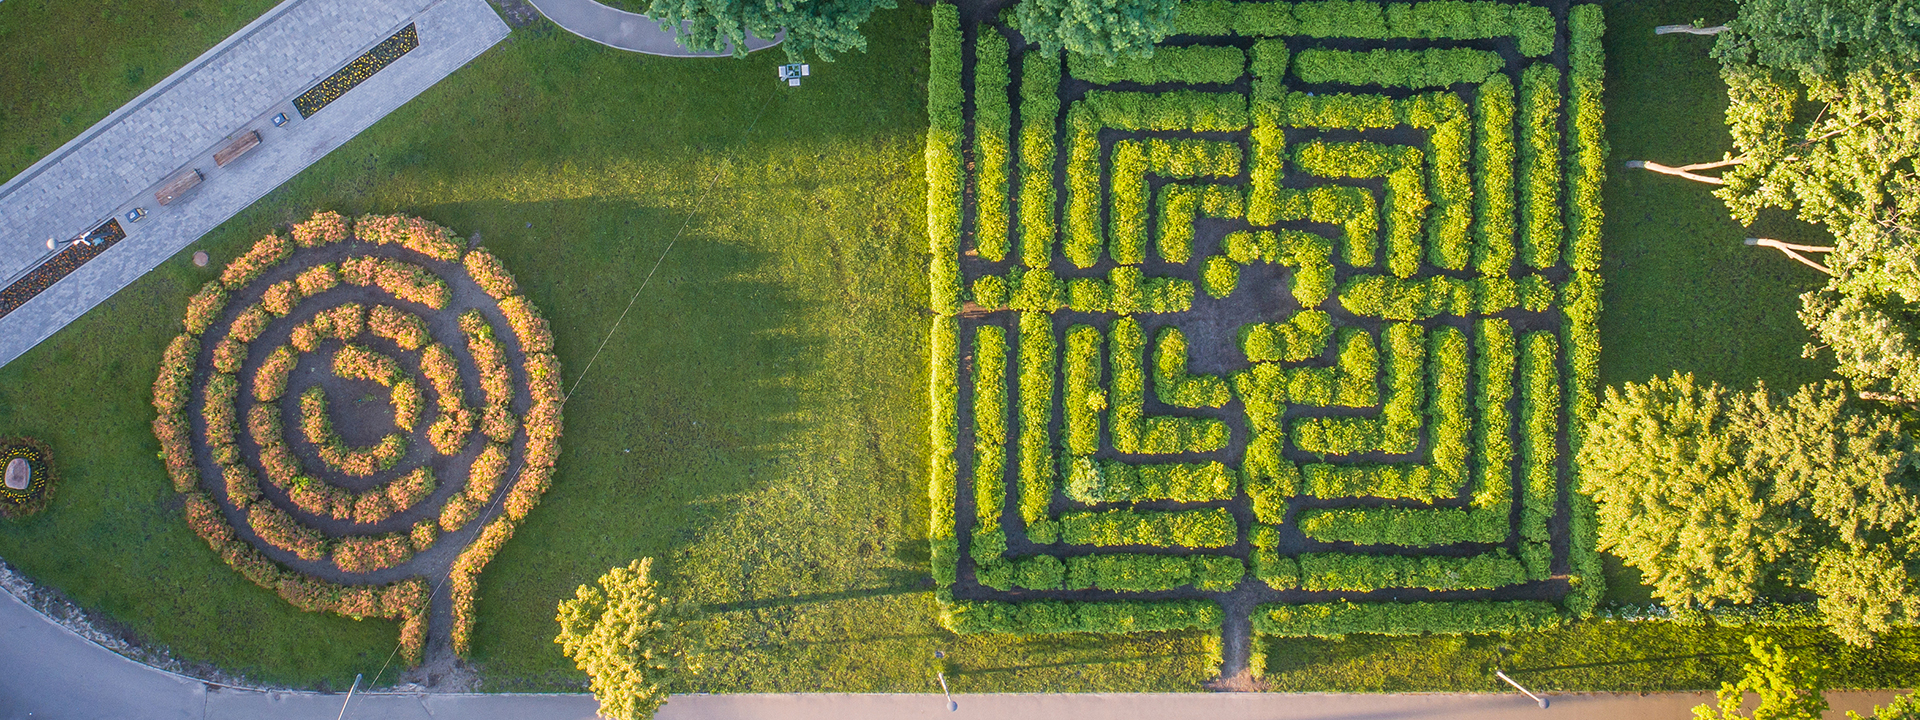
{"type": "Point", "coordinates": [242, 488]}
{"type": "Point", "coordinates": [406, 405]}
{"type": "Point", "coordinates": [527, 490]}
{"type": "Point", "coordinates": [356, 362]}
{"type": "Point", "coordinates": [228, 354]}
{"type": "Point", "coordinates": [277, 528]}
{"type": "Point", "coordinates": [176, 450]}
{"type": "Point", "coordinates": [467, 567]}
{"type": "Point", "coordinates": [270, 381]}
{"type": "Point", "coordinates": [488, 469]}
{"type": "Point", "coordinates": [415, 234]}
{"type": "Point", "coordinates": [319, 498]}
{"type": "Point", "coordinates": [404, 328]}
{"type": "Point", "coordinates": [411, 488]}
{"type": "Point", "coordinates": [458, 511]}
{"type": "Point", "coordinates": [527, 325]}
{"type": "Point", "coordinates": [496, 381]}
{"type": "Point", "coordinates": [317, 279]}
{"type": "Point", "coordinates": [250, 323]}
{"type": "Point", "coordinates": [218, 411]}
{"type": "Point", "coordinates": [324, 228]}
{"type": "Point", "coordinates": [281, 297]}
{"type": "Point", "coordinates": [283, 469]}
{"type": "Point", "coordinates": [489, 274]}
{"type": "Point", "coordinates": [424, 533]}
{"type": "Point", "coordinates": [265, 254]}
{"type": "Point", "coordinates": [204, 307]}
{"type": "Point", "coordinates": [176, 369]}
{"type": "Point", "coordinates": [448, 433]}
{"type": "Point", "coordinates": [363, 554]}
{"type": "Point", "coordinates": [403, 280]}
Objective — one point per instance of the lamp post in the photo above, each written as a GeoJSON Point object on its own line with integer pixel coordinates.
{"type": "Point", "coordinates": [1523, 691]}
{"type": "Point", "coordinates": [356, 686]}
{"type": "Point", "coordinates": [941, 671]}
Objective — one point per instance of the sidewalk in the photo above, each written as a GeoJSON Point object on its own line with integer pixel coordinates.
{"type": "Point", "coordinates": [54, 674]}
{"type": "Point", "coordinates": [239, 85]}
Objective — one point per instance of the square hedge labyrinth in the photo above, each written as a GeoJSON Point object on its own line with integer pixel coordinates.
{"type": "Point", "coordinates": [1288, 326]}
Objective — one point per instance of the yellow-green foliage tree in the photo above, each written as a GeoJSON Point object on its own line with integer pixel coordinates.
{"type": "Point", "coordinates": [628, 639]}
{"type": "Point", "coordinates": [1790, 687]}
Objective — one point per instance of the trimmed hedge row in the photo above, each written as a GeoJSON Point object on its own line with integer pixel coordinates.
{"type": "Point", "coordinates": [1540, 224]}
{"type": "Point", "coordinates": [1085, 400]}
{"type": "Point", "coordinates": [1126, 292]}
{"type": "Point", "coordinates": [1039, 110]}
{"type": "Point", "coordinates": [1196, 65]}
{"type": "Point", "coordinates": [1580, 303]}
{"type": "Point", "coordinates": [1531, 26]}
{"type": "Point", "coordinates": [1446, 470]}
{"type": "Point", "coordinates": [1493, 485]}
{"type": "Point", "coordinates": [1427, 68]}
{"type": "Point", "coordinates": [1335, 619]}
{"type": "Point", "coordinates": [1219, 276]}
{"type": "Point", "coordinates": [943, 390]}
{"type": "Point", "coordinates": [1397, 428]}
{"type": "Point", "coordinates": [1405, 527]}
{"type": "Point", "coordinates": [989, 441]}
{"type": "Point", "coordinates": [1180, 204]}
{"type": "Point", "coordinates": [1208, 528]}
{"type": "Point", "coordinates": [1151, 573]}
{"type": "Point", "coordinates": [975, 617]}
{"type": "Point", "coordinates": [1171, 383]}
{"type": "Point", "coordinates": [1406, 198]}
{"type": "Point", "coordinates": [1493, 165]}
{"type": "Point", "coordinates": [1366, 573]}
{"type": "Point", "coordinates": [1587, 164]}
{"type": "Point", "coordinates": [1133, 160]}
{"type": "Point", "coordinates": [1133, 431]}
{"type": "Point", "coordinates": [992, 129]}
{"type": "Point", "coordinates": [496, 381]}
{"type": "Point", "coordinates": [1435, 295]}
{"type": "Point", "coordinates": [944, 175]}
{"type": "Point", "coordinates": [1036, 414]}
{"type": "Point", "coordinates": [1100, 481]}
{"type": "Point", "coordinates": [1539, 449]}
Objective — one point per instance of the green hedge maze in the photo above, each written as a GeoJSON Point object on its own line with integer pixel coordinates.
{"type": "Point", "coordinates": [1282, 331]}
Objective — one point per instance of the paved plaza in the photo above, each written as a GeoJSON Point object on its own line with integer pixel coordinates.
{"type": "Point", "coordinates": [239, 85]}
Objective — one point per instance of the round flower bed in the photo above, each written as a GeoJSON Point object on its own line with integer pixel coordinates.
{"type": "Point", "coordinates": [262, 396]}
{"type": "Point", "coordinates": [33, 498]}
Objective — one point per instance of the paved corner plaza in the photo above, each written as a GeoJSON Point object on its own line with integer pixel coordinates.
{"type": "Point", "coordinates": [161, 142]}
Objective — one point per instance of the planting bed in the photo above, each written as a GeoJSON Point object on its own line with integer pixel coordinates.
{"type": "Point", "coordinates": [361, 516]}
{"type": "Point", "coordinates": [1281, 330]}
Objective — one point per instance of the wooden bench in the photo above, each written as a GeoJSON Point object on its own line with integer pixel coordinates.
{"type": "Point", "coordinates": [238, 147]}
{"type": "Point", "coordinates": [177, 186]}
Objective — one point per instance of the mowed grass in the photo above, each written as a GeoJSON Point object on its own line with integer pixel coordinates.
{"type": "Point", "coordinates": [757, 420]}
{"type": "Point", "coordinates": [69, 63]}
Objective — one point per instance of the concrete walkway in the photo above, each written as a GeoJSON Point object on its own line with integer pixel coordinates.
{"type": "Point", "coordinates": [239, 85]}
{"type": "Point", "coordinates": [54, 674]}
{"type": "Point", "coordinates": [623, 30]}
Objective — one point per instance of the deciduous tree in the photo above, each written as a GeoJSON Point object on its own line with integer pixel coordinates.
{"type": "Point", "coordinates": [1101, 28]}
{"type": "Point", "coordinates": [1712, 493]}
{"type": "Point", "coordinates": [820, 27]}
{"type": "Point", "coordinates": [627, 638]}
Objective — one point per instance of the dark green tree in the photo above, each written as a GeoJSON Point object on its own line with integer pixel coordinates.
{"type": "Point", "coordinates": [1105, 29]}
{"type": "Point", "coordinates": [1823, 37]}
{"type": "Point", "coordinates": [819, 27]}
{"type": "Point", "coordinates": [1712, 494]}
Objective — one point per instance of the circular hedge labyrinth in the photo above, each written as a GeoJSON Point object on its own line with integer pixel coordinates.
{"type": "Point", "coordinates": [358, 410]}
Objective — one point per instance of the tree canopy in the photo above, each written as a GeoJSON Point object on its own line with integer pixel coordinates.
{"type": "Point", "coordinates": [1106, 29]}
{"type": "Point", "coordinates": [1791, 687]}
{"type": "Point", "coordinates": [1712, 494]}
{"type": "Point", "coordinates": [627, 638]}
{"type": "Point", "coordinates": [820, 27]}
{"type": "Point", "coordinates": [1823, 37]}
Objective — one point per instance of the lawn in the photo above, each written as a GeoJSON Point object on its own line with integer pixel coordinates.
{"type": "Point", "coordinates": [755, 415]}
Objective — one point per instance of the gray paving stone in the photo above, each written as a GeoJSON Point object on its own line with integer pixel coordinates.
{"type": "Point", "coordinates": [237, 86]}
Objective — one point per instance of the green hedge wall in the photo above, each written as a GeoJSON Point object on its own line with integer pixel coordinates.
{"type": "Point", "coordinates": [1414, 618]}
{"type": "Point", "coordinates": [992, 129]}
{"type": "Point", "coordinates": [1054, 617]}
{"type": "Point", "coordinates": [1437, 67]}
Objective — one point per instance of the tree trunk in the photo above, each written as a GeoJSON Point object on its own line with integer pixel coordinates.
{"type": "Point", "coordinates": [1686, 171]}
{"type": "Point", "coordinates": [1793, 251]}
{"type": "Point", "coordinates": [1689, 29]}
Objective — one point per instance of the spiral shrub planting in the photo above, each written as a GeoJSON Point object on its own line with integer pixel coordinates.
{"type": "Point", "coordinates": [297, 519]}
